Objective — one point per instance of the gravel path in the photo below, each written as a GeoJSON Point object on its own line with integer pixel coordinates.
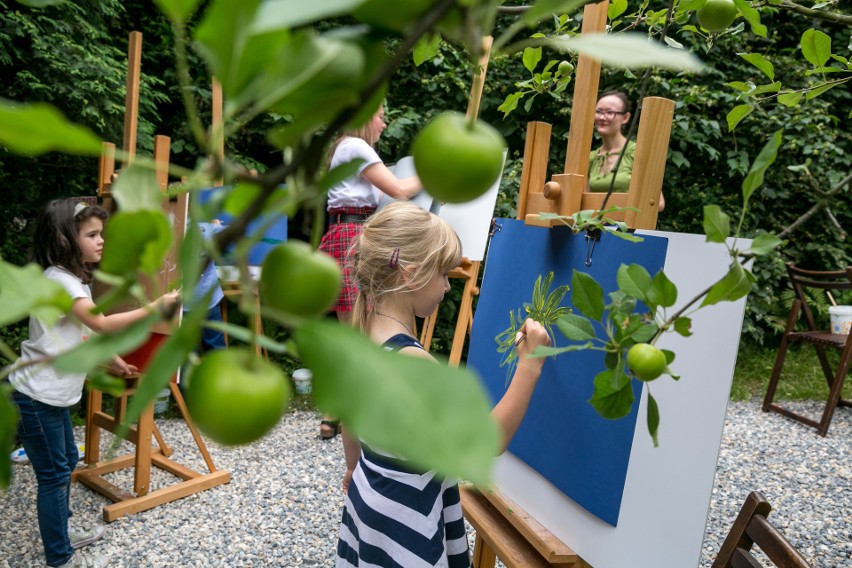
{"type": "Point", "coordinates": [283, 505]}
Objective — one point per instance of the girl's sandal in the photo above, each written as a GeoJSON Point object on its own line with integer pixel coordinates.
{"type": "Point", "coordinates": [329, 429]}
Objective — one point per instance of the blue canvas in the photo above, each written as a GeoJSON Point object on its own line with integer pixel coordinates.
{"type": "Point", "coordinates": [275, 233]}
{"type": "Point", "coordinates": [562, 437]}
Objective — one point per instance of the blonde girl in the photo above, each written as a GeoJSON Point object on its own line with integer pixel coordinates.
{"type": "Point", "coordinates": [401, 263]}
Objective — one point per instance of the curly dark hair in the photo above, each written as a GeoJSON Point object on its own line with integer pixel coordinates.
{"type": "Point", "coordinates": [55, 236]}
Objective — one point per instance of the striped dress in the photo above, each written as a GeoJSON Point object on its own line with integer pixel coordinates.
{"type": "Point", "coordinates": [394, 516]}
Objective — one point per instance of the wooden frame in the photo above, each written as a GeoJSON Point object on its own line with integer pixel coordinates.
{"type": "Point", "coordinates": [141, 459]}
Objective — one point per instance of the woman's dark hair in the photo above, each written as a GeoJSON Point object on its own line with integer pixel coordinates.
{"type": "Point", "coordinates": [55, 236]}
{"type": "Point", "coordinates": [620, 96]}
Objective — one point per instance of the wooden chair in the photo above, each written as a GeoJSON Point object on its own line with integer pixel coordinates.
{"type": "Point", "coordinates": [751, 528]}
{"type": "Point", "coordinates": [820, 339]}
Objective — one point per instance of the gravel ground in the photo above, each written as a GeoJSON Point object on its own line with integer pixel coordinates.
{"type": "Point", "coordinates": [283, 504]}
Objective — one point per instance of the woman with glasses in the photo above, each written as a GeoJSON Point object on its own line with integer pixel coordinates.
{"type": "Point", "coordinates": [612, 112]}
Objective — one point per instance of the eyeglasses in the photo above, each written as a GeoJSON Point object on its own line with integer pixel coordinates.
{"type": "Point", "coordinates": [610, 114]}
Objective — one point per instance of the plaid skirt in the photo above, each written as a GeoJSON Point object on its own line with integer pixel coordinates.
{"type": "Point", "coordinates": [336, 242]}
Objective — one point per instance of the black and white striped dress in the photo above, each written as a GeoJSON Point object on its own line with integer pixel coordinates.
{"type": "Point", "coordinates": [394, 516]}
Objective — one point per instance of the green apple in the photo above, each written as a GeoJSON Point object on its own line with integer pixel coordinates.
{"type": "Point", "coordinates": [236, 397]}
{"type": "Point", "coordinates": [457, 160]}
{"type": "Point", "coordinates": [297, 280]}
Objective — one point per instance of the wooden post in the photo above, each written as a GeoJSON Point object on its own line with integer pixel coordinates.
{"type": "Point", "coordinates": [131, 101]}
{"type": "Point", "coordinates": [649, 162]}
{"type": "Point", "coordinates": [534, 171]}
{"type": "Point", "coordinates": [217, 130]}
{"type": "Point", "coordinates": [586, 81]}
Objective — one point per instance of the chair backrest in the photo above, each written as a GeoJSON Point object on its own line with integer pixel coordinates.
{"type": "Point", "coordinates": [836, 280]}
{"type": "Point", "coordinates": [752, 528]}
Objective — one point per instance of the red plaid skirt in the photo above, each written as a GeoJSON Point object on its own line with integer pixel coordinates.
{"type": "Point", "coordinates": [337, 242]}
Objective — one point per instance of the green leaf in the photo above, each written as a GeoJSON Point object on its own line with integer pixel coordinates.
{"type": "Point", "coordinates": [766, 158]}
{"type": "Point", "coordinates": [628, 50]}
{"type": "Point", "coordinates": [616, 8]}
{"type": "Point", "coordinates": [653, 419]}
{"type": "Point", "coordinates": [735, 284]}
{"type": "Point", "coordinates": [40, 3]}
{"type": "Point", "coordinates": [633, 280]}
{"type": "Point", "coordinates": [426, 48]}
{"type": "Point", "coordinates": [575, 328]}
{"type": "Point", "coordinates": [531, 57]}
{"type": "Point", "coordinates": [100, 349]}
{"type": "Point", "coordinates": [136, 189]}
{"type": "Point", "coordinates": [752, 16]}
{"type": "Point", "coordinates": [37, 128]}
{"type": "Point", "coordinates": [309, 74]}
{"type": "Point", "coordinates": [790, 99]}
{"type": "Point", "coordinates": [663, 292]}
{"type": "Point", "coordinates": [740, 86]}
{"type": "Point", "coordinates": [386, 399]}
{"type": "Point", "coordinates": [813, 93]}
{"type": "Point", "coordinates": [768, 88]}
{"type": "Point", "coordinates": [613, 394]}
{"type": "Point", "coordinates": [8, 430]}
{"type": "Point", "coordinates": [542, 351]}
{"type": "Point", "coordinates": [683, 326]}
{"type": "Point", "coordinates": [816, 47]}
{"type": "Point", "coordinates": [764, 244]}
{"type": "Point", "coordinates": [246, 335]}
{"type": "Point", "coordinates": [736, 114]}
{"type": "Point", "coordinates": [177, 10]}
{"type": "Point", "coordinates": [221, 38]}
{"type": "Point", "coordinates": [283, 14]}
{"type": "Point", "coordinates": [546, 8]}
{"type": "Point", "coordinates": [135, 241]}
{"type": "Point", "coordinates": [27, 291]}
{"type": "Point", "coordinates": [511, 102]}
{"type": "Point", "coordinates": [762, 64]}
{"type": "Point", "coordinates": [588, 296]}
{"type": "Point", "coordinates": [170, 355]}
{"type": "Point", "coordinates": [717, 224]}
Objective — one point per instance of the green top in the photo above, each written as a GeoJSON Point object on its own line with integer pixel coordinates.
{"type": "Point", "coordinates": [599, 182]}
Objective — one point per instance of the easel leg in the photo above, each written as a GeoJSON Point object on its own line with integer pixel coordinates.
{"type": "Point", "coordinates": [428, 330]}
{"type": "Point", "coordinates": [465, 314]}
{"type": "Point", "coordinates": [144, 430]}
{"type": "Point", "coordinates": [93, 434]}
{"type": "Point", "coordinates": [483, 556]}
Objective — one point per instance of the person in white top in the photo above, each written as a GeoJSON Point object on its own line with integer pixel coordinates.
{"type": "Point", "coordinates": [350, 203]}
{"type": "Point", "coordinates": [68, 243]}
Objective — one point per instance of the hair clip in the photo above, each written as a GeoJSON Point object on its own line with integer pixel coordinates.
{"type": "Point", "coordinates": [394, 261]}
{"type": "Point", "coordinates": [79, 207]}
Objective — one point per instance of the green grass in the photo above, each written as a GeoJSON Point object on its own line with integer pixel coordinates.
{"type": "Point", "coordinates": [801, 378]}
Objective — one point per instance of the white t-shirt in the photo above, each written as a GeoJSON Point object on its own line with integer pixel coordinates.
{"type": "Point", "coordinates": [355, 191]}
{"type": "Point", "coordinates": [41, 382]}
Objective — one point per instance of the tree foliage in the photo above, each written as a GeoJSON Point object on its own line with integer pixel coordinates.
{"type": "Point", "coordinates": [295, 73]}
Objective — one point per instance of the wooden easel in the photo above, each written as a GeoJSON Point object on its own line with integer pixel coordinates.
{"type": "Point", "coordinates": [502, 527]}
{"type": "Point", "coordinates": [468, 269]}
{"type": "Point", "coordinates": [144, 456]}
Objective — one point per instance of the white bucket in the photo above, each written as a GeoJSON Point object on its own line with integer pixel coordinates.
{"type": "Point", "coordinates": [841, 319]}
{"type": "Point", "coordinates": [161, 403]}
{"type": "Point", "coordinates": [302, 378]}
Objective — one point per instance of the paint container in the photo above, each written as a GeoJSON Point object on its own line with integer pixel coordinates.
{"type": "Point", "coordinates": [302, 379]}
{"type": "Point", "coordinates": [161, 403]}
{"type": "Point", "coordinates": [841, 319]}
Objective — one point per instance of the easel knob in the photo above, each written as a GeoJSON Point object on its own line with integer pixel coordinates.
{"type": "Point", "coordinates": [552, 190]}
